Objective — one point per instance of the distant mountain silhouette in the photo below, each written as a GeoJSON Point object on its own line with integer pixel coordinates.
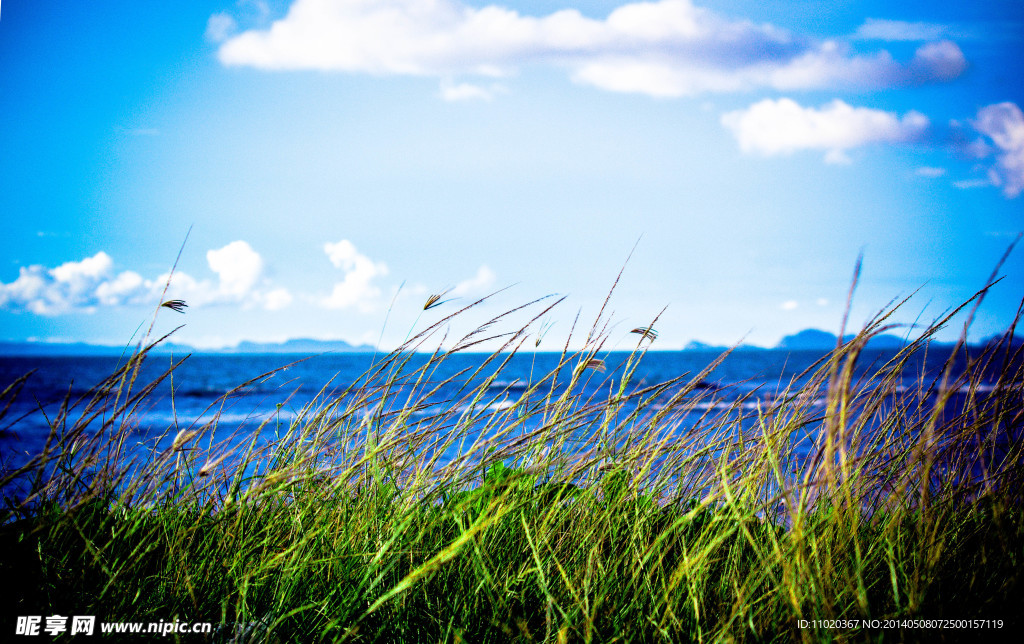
{"type": "Point", "coordinates": [696, 345]}
{"type": "Point", "coordinates": [1014, 341]}
{"type": "Point", "coordinates": [295, 346]}
{"type": "Point", "coordinates": [818, 340]}
{"type": "Point", "coordinates": [806, 340]}
{"type": "Point", "coordinates": [298, 345]}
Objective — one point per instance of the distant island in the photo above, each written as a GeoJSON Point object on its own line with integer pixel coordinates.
{"type": "Point", "coordinates": [818, 340]}
{"type": "Point", "coordinates": [805, 340]}
{"type": "Point", "coordinates": [304, 346]}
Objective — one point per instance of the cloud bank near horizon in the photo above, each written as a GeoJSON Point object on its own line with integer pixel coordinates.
{"type": "Point", "coordinates": [91, 284]}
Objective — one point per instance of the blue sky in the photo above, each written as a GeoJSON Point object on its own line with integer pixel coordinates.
{"type": "Point", "coordinates": [339, 161]}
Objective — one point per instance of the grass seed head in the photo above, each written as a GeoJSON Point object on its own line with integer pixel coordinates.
{"type": "Point", "coordinates": [646, 332]}
{"type": "Point", "coordinates": [178, 306]}
{"type": "Point", "coordinates": [181, 438]}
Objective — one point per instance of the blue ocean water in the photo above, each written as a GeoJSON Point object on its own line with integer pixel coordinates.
{"type": "Point", "coordinates": [235, 394]}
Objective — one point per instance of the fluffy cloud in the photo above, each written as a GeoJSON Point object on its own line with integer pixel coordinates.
{"type": "Point", "coordinates": [773, 127]}
{"type": "Point", "coordinates": [276, 299]}
{"type": "Point", "coordinates": [828, 65]}
{"type": "Point", "coordinates": [1003, 125]}
{"type": "Point", "coordinates": [666, 48]}
{"type": "Point", "coordinates": [483, 280]}
{"type": "Point", "coordinates": [356, 289]}
{"type": "Point", "coordinates": [238, 266]}
{"type": "Point", "coordinates": [778, 127]}
{"type": "Point", "coordinates": [83, 285]}
{"type": "Point", "coordinates": [239, 271]}
{"type": "Point", "coordinates": [91, 283]}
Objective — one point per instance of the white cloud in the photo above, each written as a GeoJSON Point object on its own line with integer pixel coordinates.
{"type": "Point", "coordinates": [276, 299]}
{"type": "Point", "coordinates": [779, 127]}
{"type": "Point", "coordinates": [356, 289]}
{"type": "Point", "coordinates": [1003, 124]}
{"type": "Point", "coordinates": [79, 274]}
{"type": "Point", "coordinates": [92, 282]}
{"type": "Point", "coordinates": [896, 30]}
{"type": "Point", "coordinates": [935, 61]}
{"type": "Point", "coordinates": [83, 285]}
{"type": "Point", "coordinates": [775, 127]}
{"type": "Point", "coordinates": [126, 287]}
{"type": "Point", "coordinates": [789, 305]}
{"type": "Point", "coordinates": [480, 282]}
{"type": "Point", "coordinates": [238, 266]}
{"type": "Point", "coordinates": [821, 301]}
{"type": "Point", "coordinates": [666, 48]}
{"type": "Point", "coordinates": [930, 172]}
{"type": "Point", "coordinates": [341, 254]}
{"type": "Point", "coordinates": [828, 65]}
{"type": "Point", "coordinates": [239, 271]}
{"type": "Point", "coordinates": [182, 286]}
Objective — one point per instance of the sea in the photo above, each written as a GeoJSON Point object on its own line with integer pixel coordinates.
{"type": "Point", "coordinates": [233, 396]}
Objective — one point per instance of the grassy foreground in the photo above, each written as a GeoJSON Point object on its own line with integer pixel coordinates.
{"type": "Point", "coordinates": [350, 527]}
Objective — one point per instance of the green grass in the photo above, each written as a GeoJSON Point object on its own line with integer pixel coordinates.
{"type": "Point", "coordinates": [345, 530]}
